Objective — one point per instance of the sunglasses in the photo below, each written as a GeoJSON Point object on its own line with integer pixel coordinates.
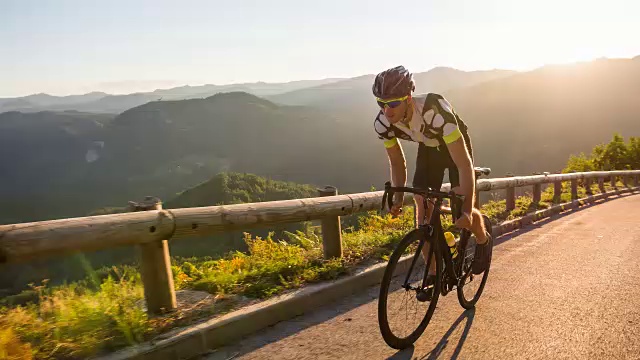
{"type": "Point", "coordinates": [393, 103]}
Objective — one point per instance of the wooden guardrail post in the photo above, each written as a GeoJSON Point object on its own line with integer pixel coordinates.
{"type": "Point", "coordinates": [574, 189]}
{"type": "Point", "coordinates": [636, 180]}
{"type": "Point", "coordinates": [331, 229]}
{"type": "Point", "coordinates": [625, 182]}
{"type": "Point", "coordinates": [537, 191]}
{"type": "Point", "coordinates": [557, 191]}
{"type": "Point", "coordinates": [601, 185]}
{"type": "Point", "coordinates": [155, 266]}
{"type": "Point", "coordinates": [511, 195]}
{"type": "Point", "coordinates": [587, 185]}
{"type": "Point", "coordinates": [613, 181]}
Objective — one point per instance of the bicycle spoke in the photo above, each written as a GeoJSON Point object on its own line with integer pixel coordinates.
{"type": "Point", "coordinates": [426, 271]}
{"type": "Point", "coordinates": [413, 262]}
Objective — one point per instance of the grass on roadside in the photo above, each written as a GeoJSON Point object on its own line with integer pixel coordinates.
{"type": "Point", "coordinates": [75, 321]}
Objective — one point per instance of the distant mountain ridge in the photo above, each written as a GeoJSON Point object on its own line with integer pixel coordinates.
{"type": "Point", "coordinates": [354, 92]}
{"type": "Point", "coordinates": [301, 92]}
{"type": "Point", "coordinates": [100, 102]}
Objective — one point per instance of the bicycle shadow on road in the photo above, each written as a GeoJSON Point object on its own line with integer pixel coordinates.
{"type": "Point", "coordinates": [407, 354]}
{"type": "Point", "coordinates": [468, 315]}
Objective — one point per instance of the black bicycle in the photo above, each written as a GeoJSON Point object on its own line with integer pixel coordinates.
{"type": "Point", "coordinates": [409, 286]}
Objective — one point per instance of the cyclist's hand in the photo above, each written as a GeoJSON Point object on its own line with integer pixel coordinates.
{"type": "Point", "coordinates": [398, 202]}
{"type": "Point", "coordinates": [464, 221]}
{"type": "Point", "coordinates": [396, 209]}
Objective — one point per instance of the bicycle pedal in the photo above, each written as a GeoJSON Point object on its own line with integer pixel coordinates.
{"type": "Point", "coordinates": [423, 295]}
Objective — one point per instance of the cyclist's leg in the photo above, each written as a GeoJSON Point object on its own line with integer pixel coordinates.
{"type": "Point", "coordinates": [429, 173]}
{"type": "Point", "coordinates": [483, 248]}
{"type": "Point", "coordinates": [482, 251]}
{"type": "Point", "coordinates": [478, 227]}
{"type": "Point", "coordinates": [477, 222]}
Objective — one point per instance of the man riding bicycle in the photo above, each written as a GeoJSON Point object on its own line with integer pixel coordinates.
{"type": "Point", "coordinates": [431, 121]}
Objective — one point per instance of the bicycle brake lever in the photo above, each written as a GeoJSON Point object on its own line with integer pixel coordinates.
{"type": "Point", "coordinates": [388, 195]}
{"type": "Point", "coordinates": [387, 185]}
{"type": "Point", "coordinates": [384, 198]}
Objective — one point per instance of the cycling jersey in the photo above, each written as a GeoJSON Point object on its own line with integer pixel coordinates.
{"type": "Point", "coordinates": [433, 123]}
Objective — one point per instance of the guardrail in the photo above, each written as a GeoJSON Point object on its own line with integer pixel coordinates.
{"type": "Point", "coordinates": [150, 227]}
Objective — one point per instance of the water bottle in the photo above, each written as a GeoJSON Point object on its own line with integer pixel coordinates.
{"type": "Point", "coordinates": [451, 241]}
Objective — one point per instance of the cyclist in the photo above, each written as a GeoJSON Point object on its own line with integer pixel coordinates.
{"type": "Point", "coordinates": [443, 144]}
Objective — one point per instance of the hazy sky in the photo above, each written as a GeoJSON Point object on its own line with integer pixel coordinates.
{"type": "Point", "coordinates": [69, 47]}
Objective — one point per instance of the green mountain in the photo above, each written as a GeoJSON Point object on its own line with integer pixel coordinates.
{"type": "Point", "coordinates": [164, 147]}
{"type": "Point", "coordinates": [41, 158]}
{"type": "Point", "coordinates": [236, 188]}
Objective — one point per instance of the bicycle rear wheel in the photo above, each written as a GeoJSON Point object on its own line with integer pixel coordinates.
{"type": "Point", "coordinates": [470, 286]}
{"type": "Point", "coordinates": [402, 317]}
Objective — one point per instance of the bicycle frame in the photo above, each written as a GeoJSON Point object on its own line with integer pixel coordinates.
{"type": "Point", "coordinates": [433, 230]}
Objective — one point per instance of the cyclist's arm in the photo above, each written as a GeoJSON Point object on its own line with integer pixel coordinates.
{"type": "Point", "coordinates": [462, 159]}
{"type": "Point", "coordinates": [397, 164]}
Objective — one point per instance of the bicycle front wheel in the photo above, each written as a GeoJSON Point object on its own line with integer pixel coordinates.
{"type": "Point", "coordinates": [405, 306]}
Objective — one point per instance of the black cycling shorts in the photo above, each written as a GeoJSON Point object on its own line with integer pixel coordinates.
{"type": "Point", "coordinates": [430, 165]}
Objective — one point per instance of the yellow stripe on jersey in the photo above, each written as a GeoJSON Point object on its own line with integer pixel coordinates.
{"type": "Point", "coordinates": [455, 135]}
{"type": "Point", "coordinates": [390, 143]}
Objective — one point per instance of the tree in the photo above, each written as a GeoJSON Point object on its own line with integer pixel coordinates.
{"type": "Point", "coordinates": [616, 155]}
{"type": "Point", "coordinates": [579, 163]}
{"type": "Point", "coordinates": [633, 153]}
{"type": "Point", "coordinates": [612, 156]}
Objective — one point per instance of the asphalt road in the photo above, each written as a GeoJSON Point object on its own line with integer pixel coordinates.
{"type": "Point", "coordinates": [562, 289]}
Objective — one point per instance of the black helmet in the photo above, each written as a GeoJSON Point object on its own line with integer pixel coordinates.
{"type": "Point", "coordinates": [392, 83]}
